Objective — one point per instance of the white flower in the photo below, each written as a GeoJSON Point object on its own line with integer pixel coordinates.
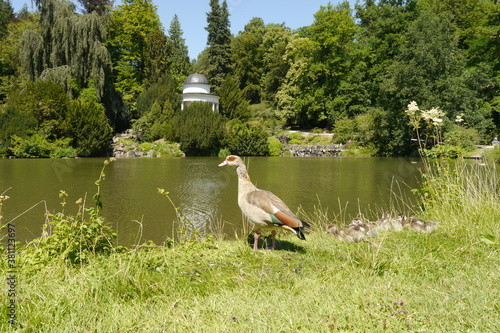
{"type": "Point", "coordinates": [412, 108]}
{"type": "Point", "coordinates": [459, 118]}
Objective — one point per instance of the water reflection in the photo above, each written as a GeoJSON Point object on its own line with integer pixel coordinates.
{"type": "Point", "coordinates": [202, 191]}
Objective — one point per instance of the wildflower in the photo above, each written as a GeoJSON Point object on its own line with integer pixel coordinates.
{"type": "Point", "coordinates": [412, 108]}
{"type": "Point", "coordinates": [62, 194]}
{"type": "Point", "coordinates": [79, 201]}
{"type": "Point", "coordinates": [459, 118]}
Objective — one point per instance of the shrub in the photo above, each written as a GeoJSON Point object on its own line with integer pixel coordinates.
{"type": "Point", "coordinates": [462, 137]}
{"type": "Point", "coordinates": [36, 145]}
{"type": "Point", "coordinates": [345, 130]}
{"type": "Point", "coordinates": [12, 123]}
{"type": "Point", "coordinates": [275, 146]}
{"type": "Point", "coordinates": [86, 123]}
{"type": "Point", "coordinates": [245, 139]}
{"type": "Point", "coordinates": [446, 151]}
{"type": "Point", "coordinates": [297, 138]}
{"type": "Point", "coordinates": [198, 129]}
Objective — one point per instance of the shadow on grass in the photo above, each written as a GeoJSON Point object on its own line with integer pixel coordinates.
{"type": "Point", "coordinates": [265, 243]}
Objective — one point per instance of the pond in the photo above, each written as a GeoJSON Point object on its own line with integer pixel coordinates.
{"type": "Point", "coordinates": [203, 193]}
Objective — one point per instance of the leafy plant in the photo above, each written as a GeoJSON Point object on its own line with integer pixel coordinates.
{"type": "Point", "coordinates": [245, 139]}
{"type": "Point", "coordinates": [74, 238]}
{"type": "Point", "coordinates": [275, 146]}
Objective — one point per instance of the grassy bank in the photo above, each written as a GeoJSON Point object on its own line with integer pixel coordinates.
{"type": "Point", "coordinates": [446, 281]}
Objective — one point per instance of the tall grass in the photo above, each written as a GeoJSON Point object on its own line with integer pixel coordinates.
{"type": "Point", "coordinates": [446, 281]}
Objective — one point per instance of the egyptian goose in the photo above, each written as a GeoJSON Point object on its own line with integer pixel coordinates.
{"type": "Point", "coordinates": [263, 208]}
{"type": "Point", "coordinates": [388, 223]}
{"type": "Point", "coordinates": [417, 224]}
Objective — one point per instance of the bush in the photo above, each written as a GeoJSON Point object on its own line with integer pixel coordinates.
{"type": "Point", "coordinates": [465, 138]}
{"type": "Point", "coordinates": [12, 123]}
{"type": "Point", "coordinates": [297, 138]}
{"type": "Point", "coordinates": [86, 123]}
{"type": "Point", "coordinates": [38, 145]}
{"type": "Point", "coordinates": [245, 139]}
{"type": "Point", "coordinates": [33, 146]}
{"type": "Point", "coordinates": [198, 129]}
{"type": "Point", "coordinates": [345, 130]}
{"type": "Point", "coordinates": [446, 151]}
{"type": "Point", "coordinates": [275, 146]}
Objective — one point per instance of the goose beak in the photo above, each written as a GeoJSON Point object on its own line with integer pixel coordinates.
{"type": "Point", "coordinates": [223, 164]}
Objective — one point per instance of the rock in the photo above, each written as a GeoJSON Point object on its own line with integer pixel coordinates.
{"type": "Point", "coordinates": [314, 150]}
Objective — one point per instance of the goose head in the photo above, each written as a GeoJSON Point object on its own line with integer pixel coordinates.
{"type": "Point", "coordinates": [232, 160]}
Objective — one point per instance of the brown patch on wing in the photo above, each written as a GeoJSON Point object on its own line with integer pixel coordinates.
{"type": "Point", "coordinates": [271, 204]}
{"type": "Point", "coordinates": [291, 221]}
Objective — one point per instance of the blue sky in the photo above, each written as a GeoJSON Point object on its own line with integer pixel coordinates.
{"type": "Point", "coordinates": [193, 19]}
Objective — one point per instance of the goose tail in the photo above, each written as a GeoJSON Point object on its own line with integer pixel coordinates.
{"type": "Point", "coordinates": [300, 230]}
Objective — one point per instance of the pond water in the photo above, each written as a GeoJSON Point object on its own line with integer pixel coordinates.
{"type": "Point", "coordinates": [203, 193]}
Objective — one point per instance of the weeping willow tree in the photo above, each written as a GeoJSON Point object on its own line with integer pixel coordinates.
{"type": "Point", "coordinates": [69, 49]}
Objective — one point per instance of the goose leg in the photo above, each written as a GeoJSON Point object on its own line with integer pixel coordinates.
{"type": "Point", "coordinates": [255, 240]}
{"type": "Point", "coordinates": [273, 233]}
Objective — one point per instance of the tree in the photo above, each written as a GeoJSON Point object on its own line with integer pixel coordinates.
{"type": "Point", "coordinates": [198, 129]}
{"type": "Point", "coordinates": [248, 56]}
{"type": "Point", "coordinates": [157, 57]}
{"type": "Point", "coordinates": [276, 38]}
{"type": "Point", "coordinates": [98, 6]}
{"type": "Point", "coordinates": [68, 48]}
{"type": "Point", "coordinates": [219, 43]}
{"type": "Point", "coordinates": [157, 105]}
{"type": "Point", "coordinates": [6, 14]}
{"type": "Point", "coordinates": [180, 64]}
{"type": "Point", "coordinates": [233, 104]}
{"type": "Point", "coordinates": [86, 123]}
{"type": "Point", "coordinates": [132, 23]}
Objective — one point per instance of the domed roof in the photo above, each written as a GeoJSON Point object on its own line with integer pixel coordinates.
{"type": "Point", "coordinates": [196, 78]}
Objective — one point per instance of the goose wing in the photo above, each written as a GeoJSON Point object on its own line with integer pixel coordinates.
{"type": "Point", "coordinates": [278, 211]}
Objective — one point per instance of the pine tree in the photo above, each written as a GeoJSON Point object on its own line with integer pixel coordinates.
{"type": "Point", "coordinates": [219, 43]}
{"type": "Point", "coordinates": [6, 14]}
{"type": "Point", "coordinates": [98, 6]}
{"type": "Point", "coordinates": [180, 63]}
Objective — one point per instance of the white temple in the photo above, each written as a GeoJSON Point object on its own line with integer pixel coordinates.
{"type": "Point", "coordinates": [197, 89]}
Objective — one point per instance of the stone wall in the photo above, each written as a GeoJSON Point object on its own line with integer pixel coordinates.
{"type": "Point", "coordinates": [313, 150]}
{"type": "Point", "coordinates": [127, 145]}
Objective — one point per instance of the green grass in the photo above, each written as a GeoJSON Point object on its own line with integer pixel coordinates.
{"type": "Point", "coordinates": [446, 281]}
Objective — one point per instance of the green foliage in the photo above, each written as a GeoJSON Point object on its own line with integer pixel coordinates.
{"type": "Point", "coordinates": [86, 124]}
{"type": "Point", "coordinates": [132, 23]}
{"type": "Point", "coordinates": [233, 104]}
{"type": "Point", "coordinates": [247, 53]}
{"type": "Point", "coordinates": [198, 129]}
{"type": "Point", "coordinates": [275, 146]}
{"type": "Point", "coordinates": [180, 63]}
{"type": "Point", "coordinates": [219, 43]}
{"type": "Point", "coordinates": [47, 102]}
{"type": "Point", "coordinates": [492, 155]}
{"type": "Point", "coordinates": [156, 107]}
{"type": "Point", "coordinates": [38, 145]}
{"type": "Point", "coordinates": [161, 148]}
{"type": "Point", "coordinates": [12, 123]}
{"type": "Point", "coordinates": [35, 146]}
{"type": "Point", "coordinates": [345, 130]}
{"type": "Point", "coordinates": [465, 138]}
{"type": "Point", "coordinates": [244, 139]}
{"type": "Point", "coordinates": [6, 14]}
{"type": "Point", "coordinates": [68, 48]}
{"type": "Point", "coordinates": [73, 238]}
{"type": "Point", "coordinates": [446, 151]}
